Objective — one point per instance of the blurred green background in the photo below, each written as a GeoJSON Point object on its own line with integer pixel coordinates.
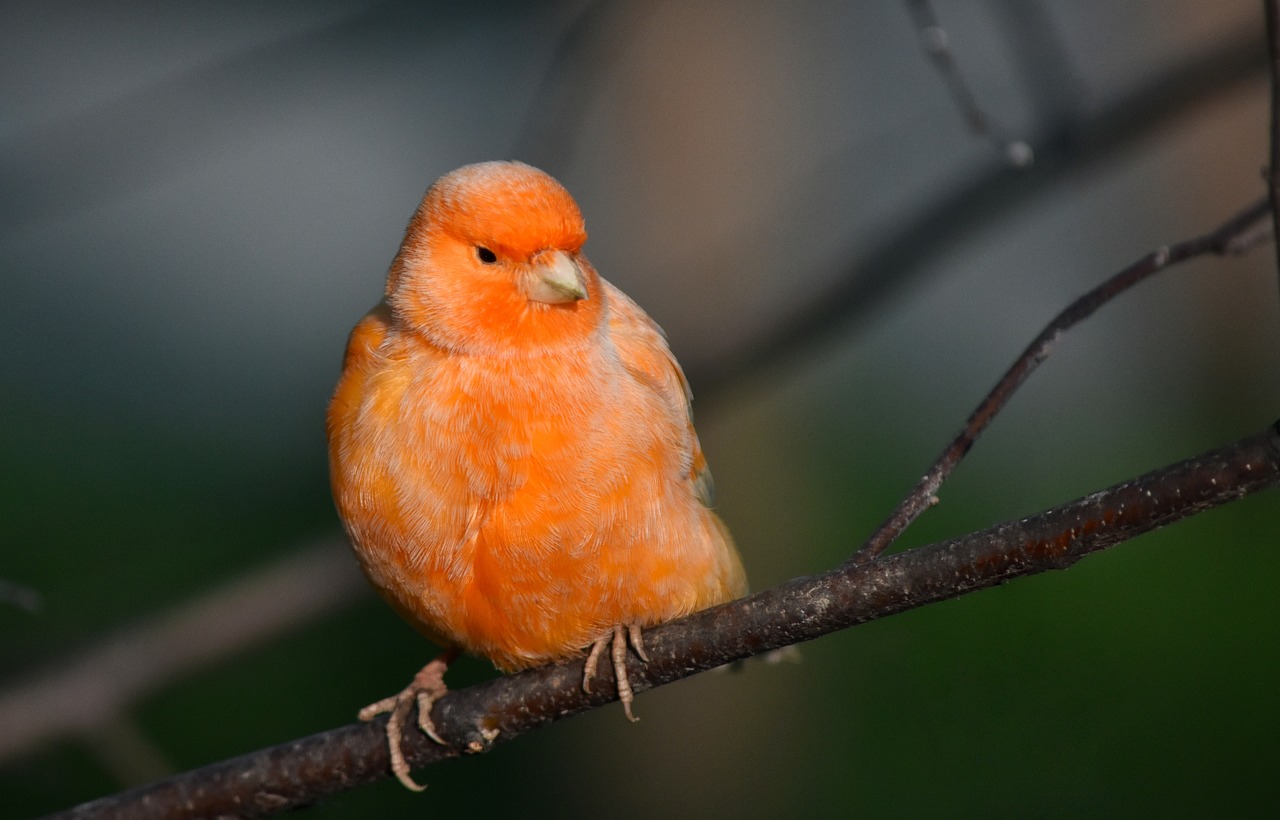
{"type": "Point", "coordinates": [198, 201]}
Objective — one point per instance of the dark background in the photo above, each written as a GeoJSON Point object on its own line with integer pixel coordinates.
{"type": "Point", "coordinates": [198, 201]}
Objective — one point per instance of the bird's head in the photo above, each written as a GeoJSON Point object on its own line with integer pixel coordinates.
{"type": "Point", "coordinates": [491, 263]}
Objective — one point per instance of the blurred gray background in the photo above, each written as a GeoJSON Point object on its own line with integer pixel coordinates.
{"type": "Point", "coordinates": [197, 202]}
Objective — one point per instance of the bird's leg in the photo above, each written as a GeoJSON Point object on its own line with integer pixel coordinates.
{"type": "Point", "coordinates": [619, 637]}
{"type": "Point", "coordinates": [425, 689]}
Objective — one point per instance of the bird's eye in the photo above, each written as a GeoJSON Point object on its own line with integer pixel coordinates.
{"type": "Point", "coordinates": [486, 256]}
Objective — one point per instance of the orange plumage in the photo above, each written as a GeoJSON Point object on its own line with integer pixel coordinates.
{"type": "Point", "coordinates": [510, 442]}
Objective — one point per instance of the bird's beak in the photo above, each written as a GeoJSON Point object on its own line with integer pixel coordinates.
{"type": "Point", "coordinates": [556, 279]}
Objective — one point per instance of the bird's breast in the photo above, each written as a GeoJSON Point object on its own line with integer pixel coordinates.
{"type": "Point", "coordinates": [506, 422]}
{"type": "Point", "coordinates": [519, 502]}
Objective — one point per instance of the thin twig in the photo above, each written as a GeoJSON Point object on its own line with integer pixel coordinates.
{"type": "Point", "coordinates": [1219, 241]}
{"type": "Point", "coordinates": [1063, 150]}
{"type": "Point", "coordinates": [475, 719]}
{"type": "Point", "coordinates": [936, 43]}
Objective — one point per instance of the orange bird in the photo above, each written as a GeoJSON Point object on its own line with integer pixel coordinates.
{"type": "Point", "coordinates": [511, 446]}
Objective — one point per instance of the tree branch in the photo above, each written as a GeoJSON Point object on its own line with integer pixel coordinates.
{"type": "Point", "coordinates": [863, 589]}
{"type": "Point", "coordinates": [888, 266]}
{"type": "Point", "coordinates": [1235, 235]}
{"type": "Point", "coordinates": [300, 773]}
{"type": "Point", "coordinates": [1062, 149]}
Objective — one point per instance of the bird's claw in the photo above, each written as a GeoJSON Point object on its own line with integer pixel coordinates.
{"type": "Point", "coordinates": [426, 688]}
{"type": "Point", "coordinates": [617, 640]}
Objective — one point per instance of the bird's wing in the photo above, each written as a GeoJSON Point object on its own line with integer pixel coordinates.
{"type": "Point", "coordinates": [357, 362]}
{"type": "Point", "coordinates": [643, 350]}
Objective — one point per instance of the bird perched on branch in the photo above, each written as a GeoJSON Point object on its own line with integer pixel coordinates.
{"type": "Point", "coordinates": [511, 446]}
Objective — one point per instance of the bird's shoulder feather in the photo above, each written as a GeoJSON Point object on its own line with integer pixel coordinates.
{"type": "Point", "coordinates": [643, 350]}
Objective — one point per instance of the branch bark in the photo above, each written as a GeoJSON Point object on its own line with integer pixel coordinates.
{"type": "Point", "coordinates": [300, 773]}
{"type": "Point", "coordinates": [1233, 236]}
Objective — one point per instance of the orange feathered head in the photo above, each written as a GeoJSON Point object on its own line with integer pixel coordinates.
{"type": "Point", "coordinates": [491, 263]}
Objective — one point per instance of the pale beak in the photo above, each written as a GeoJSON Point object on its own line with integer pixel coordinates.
{"type": "Point", "coordinates": [557, 279]}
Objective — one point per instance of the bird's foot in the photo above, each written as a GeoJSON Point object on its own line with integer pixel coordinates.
{"type": "Point", "coordinates": [425, 689]}
{"type": "Point", "coordinates": [619, 638]}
